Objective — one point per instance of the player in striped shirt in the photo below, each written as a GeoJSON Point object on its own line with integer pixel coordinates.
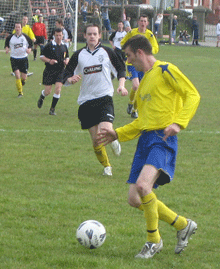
{"type": "Point", "coordinates": [20, 45]}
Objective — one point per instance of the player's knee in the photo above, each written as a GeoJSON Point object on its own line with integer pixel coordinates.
{"type": "Point", "coordinates": [134, 202]}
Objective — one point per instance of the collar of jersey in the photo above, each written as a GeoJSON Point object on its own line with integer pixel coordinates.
{"type": "Point", "coordinates": [54, 43]}
{"type": "Point", "coordinates": [95, 50]}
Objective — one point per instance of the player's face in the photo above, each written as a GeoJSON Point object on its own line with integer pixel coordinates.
{"type": "Point", "coordinates": [134, 59]}
{"type": "Point", "coordinates": [24, 20]}
{"type": "Point", "coordinates": [58, 37]}
{"type": "Point", "coordinates": [120, 26]}
{"type": "Point", "coordinates": [143, 23]}
{"type": "Point", "coordinates": [92, 36]}
{"type": "Point", "coordinates": [18, 28]}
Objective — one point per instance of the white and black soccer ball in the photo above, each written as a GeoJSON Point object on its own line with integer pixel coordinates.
{"type": "Point", "coordinates": [91, 234]}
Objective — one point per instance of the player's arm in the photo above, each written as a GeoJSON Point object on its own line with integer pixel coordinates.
{"type": "Point", "coordinates": [154, 43]}
{"type": "Point", "coordinates": [66, 60]}
{"type": "Point", "coordinates": [70, 68]}
{"type": "Point", "coordinates": [30, 43]}
{"type": "Point", "coordinates": [31, 35]}
{"type": "Point", "coordinates": [7, 45]}
{"type": "Point", "coordinates": [189, 94]}
{"type": "Point", "coordinates": [127, 132]}
{"type": "Point", "coordinates": [111, 39]}
{"type": "Point", "coordinates": [45, 54]}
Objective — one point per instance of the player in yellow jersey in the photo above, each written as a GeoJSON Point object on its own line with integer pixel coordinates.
{"type": "Point", "coordinates": [136, 76]}
{"type": "Point", "coordinates": [167, 101]}
{"type": "Point", "coordinates": [26, 29]}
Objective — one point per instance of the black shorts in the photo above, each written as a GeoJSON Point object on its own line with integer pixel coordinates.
{"type": "Point", "coordinates": [95, 111]}
{"type": "Point", "coordinates": [19, 64]}
{"type": "Point", "coordinates": [39, 40]}
{"type": "Point", "coordinates": [50, 77]}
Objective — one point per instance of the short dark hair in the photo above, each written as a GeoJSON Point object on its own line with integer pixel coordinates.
{"type": "Point", "coordinates": [60, 21]}
{"type": "Point", "coordinates": [92, 25]}
{"type": "Point", "coordinates": [18, 22]}
{"type": "Point", "coordinates": [138, 42]}
{"type": "Point", "coordinates": [58, 30]}
{"type": "Point", "coordinates": [144, 16]}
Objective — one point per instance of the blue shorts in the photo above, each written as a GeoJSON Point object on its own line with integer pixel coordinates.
{"type": "Point", "coordinates": [134, 73]}
{"type": "Point", "coordinates": [152, 150]}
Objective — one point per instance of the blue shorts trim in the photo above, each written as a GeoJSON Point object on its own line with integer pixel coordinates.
{"type": "Point", "coordinates": [134, 73]}
{"type": "Point", "coordinates": [152, 150]}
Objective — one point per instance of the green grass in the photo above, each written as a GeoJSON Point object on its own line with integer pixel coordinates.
{"type": "Point", "coordinates": [50, 180]}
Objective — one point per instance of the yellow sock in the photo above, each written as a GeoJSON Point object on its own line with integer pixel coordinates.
{"type": "Point", "coordinates": [135, 105]}
{"type": "Point", "coordinates": [132, 96]}
{"type": "Point", "coordinates": [149, 203]}
{"type": "Point", "coordinates": [141, 208]}
{"type": "Point", "coordinates": [170, 216]}
{"type": "Point", "coordinates": [19, 86]}
{"type": "Point", "coordinates": [23, 81]}
{"type": "Point", "coordinates": [101, 155]}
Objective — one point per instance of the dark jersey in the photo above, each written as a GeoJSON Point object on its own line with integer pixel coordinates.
{"type": "Point", "coordinates": [57, 52]}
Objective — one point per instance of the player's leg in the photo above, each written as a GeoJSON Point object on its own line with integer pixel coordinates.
{"type": "Point", "coordinates": [18, 82]}
{"type": "Point", "coordinates": [23, 67]}
{"type": "Point", "coordinates": [35, 50]}
{"type": "Point", "coordinates": [56, 97]}
{"type": "Point", "coordinates": [16, 71]}
{"type": "Point", "coordinates": [100, 151]}
{"type": "Point", "coordinates": [47, 90]}
{"type": "Point", "coordinates": [23, 78]}
{"type": "Point", "coordinates": [143, 189]}
{"type": "Point", "coordinates": [135, 84]}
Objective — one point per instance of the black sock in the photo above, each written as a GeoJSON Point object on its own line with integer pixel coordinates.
{"type": "Point", "coordinates": [35, 53]}
{"type": "Point", "coordinates": [54, 102]}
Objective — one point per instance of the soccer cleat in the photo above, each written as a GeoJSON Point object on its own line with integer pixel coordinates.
{"type": "Point", "coordinates": [13, 74]}
{"type": "Point", "coordinates": [52, 112]}
{"type": "Point", "coordinates": [40, 102]}
{"type": "Point", "coordinates": [150, 249]}
{"type": "Point", "coordinates": [134, 114]}
{"type": "Point", "coordinates": [20, 95]}
{"type": "Point", "coordinates": [30, 74]}
{"type": "Point", "coordinates": [129, 108]}
{"type": "Point", "coordinates": [107, 171]}
{"type": "Point", "coordinates": [184, 234]}
{"type": "Point", "coordinates": [116, 147]}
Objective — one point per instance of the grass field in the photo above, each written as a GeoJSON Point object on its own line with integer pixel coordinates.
{"type": "Point", "coordinates": [51, 180]}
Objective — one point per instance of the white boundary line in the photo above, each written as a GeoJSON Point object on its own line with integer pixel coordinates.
{"type": "Point", "coordinates": [81, 131]}
{"type": "Point", "coordinates": [38, 130]}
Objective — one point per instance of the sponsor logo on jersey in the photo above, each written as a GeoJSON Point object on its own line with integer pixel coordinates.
{"type": "Point", "coordinates": [16, 46]}
{"type": "Point", "coordinates": [92, 69]}
{"type": "Point", "coordinates": [101, 58]}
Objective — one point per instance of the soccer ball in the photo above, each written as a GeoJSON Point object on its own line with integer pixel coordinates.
{"type": "Point", "coordinates": [91, 234]}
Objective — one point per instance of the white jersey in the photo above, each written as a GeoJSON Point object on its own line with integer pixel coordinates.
{"type": "Point", "coordinates": [117, 37]}
{"type": "Point", "coordinates": [95, 68]}
{"type": "Point", "coordinates": [218, 29]}
{"type": "Point", "coordinates": [18, 45]}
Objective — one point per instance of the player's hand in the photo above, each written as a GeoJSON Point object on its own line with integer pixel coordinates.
{"type": "Point", "coordinates": [28, 51]}
{"type": "Point", "coordinates": [106, 136]}
{"type": "Point", "coordinates": [66, 61]}
{"type": "Point", "coordinates": [7, 50]}
{"type": "Point", "coordinates": [122, 90]}
{"type": "Point", "coordinates": [74, 79]}
{"type": "Point", "coordinates": [171, 130]}
{"type": "Point", "coordinates": [52, 62]}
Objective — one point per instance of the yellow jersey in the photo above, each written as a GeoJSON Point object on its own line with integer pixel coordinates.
{"type": "Point", "coordinates": [148, 34]}
{"type": "Point", "coordinates": [28, 31]}
{"type": "Point", "coordinates": [165, 96]}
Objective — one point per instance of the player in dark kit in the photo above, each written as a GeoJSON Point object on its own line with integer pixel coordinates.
{"type": "Point", "coordinates": [56, 56]}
